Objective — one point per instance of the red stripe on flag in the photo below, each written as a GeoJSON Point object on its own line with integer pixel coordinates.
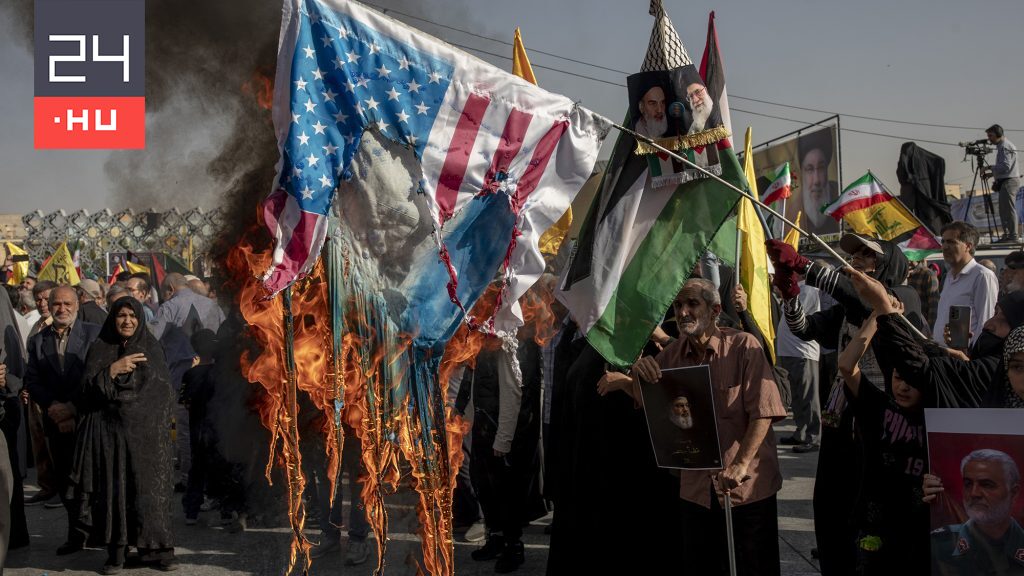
{"type": "Point", "coordinates": [860, 204]}
{"type": "Point", "coordinates": [511, 141]}
{"type": "Point", "coordinates": [457, 158]}
{"type": "Point", "coordinates": [779, 194]}
{"type": "Point", "coordinates": [297, 246]}
{"type": "Point", "coordinates": [538, 164]}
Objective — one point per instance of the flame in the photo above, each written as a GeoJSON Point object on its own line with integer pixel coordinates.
{"type": "Point", "coordinates": [308, 362]}
{"type": "Point", "coordinates": [262, 87]}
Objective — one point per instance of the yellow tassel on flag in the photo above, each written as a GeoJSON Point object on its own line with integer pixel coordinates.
{"type": "Point", "coordinates": [60, 268]}
{"type": "Point", "coordinates": [553, 236]}
{"type": "Point", "coordinates": [793, 236]}
{"type": "Point", "coordinates": [753, 265]}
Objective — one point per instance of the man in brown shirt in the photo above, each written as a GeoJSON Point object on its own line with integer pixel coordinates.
{"type": "Point", "coordinates": [746, 403]}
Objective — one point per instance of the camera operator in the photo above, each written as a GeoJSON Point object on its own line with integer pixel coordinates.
{"type": "Point", "coordinates": [1005, 180]}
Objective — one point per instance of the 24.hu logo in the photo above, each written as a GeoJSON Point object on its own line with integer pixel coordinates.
{"type": "Point", "coordinates": [90, 89]}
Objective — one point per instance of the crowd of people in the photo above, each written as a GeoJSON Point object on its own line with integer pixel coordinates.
{"type": "Point", "coordinates": [100, 372]}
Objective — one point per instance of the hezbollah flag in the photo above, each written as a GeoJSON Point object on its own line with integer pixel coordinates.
{"type": "Point", "coordinates": [868, 208]}
{"type": "Point", "coordinates": [60, 268]}
{"type": "Point", "coordinates": [793, 236]}
{"type": "Point", "coordinates": [642, 236]}
{"type": "Point", "coordinates": [753, 257]}
{"type": "Point", "coordinates": [20, 267]}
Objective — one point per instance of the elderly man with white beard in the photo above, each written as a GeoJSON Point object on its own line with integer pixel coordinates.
{"type": "Point", "coordinates": [991, 541]}
{"type": "Point", "coordinates": [652, 122]}
{"type": "Point", "coordinates": [746, 402]}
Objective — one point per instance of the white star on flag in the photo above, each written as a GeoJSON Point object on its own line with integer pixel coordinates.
{"type": "Point", "coordinates": [392, 94]}
{"type": "Point", "coordinates": [383, 71]}
{"type": "Point", "coordinates": [329, 95]}
{"type": "Point", "coordinates": [342, 33]}
{"type": "Point", "coordinates": [403, 117]}
{"type": "Point", "coordinates": [312, 160]}
{"type": "Point", "coordinates": [422, 108]}
{"type": "Point", "coordinates": [414, 87]}
{"type": "Point", "coordinates": [350, 86]}
{"type": "Point", "coordinates": [435, 78]}
{"type": "Point", "coordinates": [318, 74]}
{"type": "Point", "coordinates": [382, 125]}
{"type": "Point", "coordinates": [403, 63]}
{"type": "Point", "coordinates": [330, 149]}
{"type": "Point", "coordinates": [309, 52]}
{"type": "Point", "coordinates": [307, 193]}
{"type": "Point", "coordinates": [318, 127]}
{"type": "Point", "coordinates": [338, 64]}
{"type": "Point", "coordinates": [362, 81]}
{"type": "Point", "coordinates": [371, 103]}
{"type": "Point", "coordinates": [303, 139]}
{"type": "Point", "coordinates": [295, 118]}
{"type": "Point", "coordinates": [310, 105]}
{"type": "Point", "coordinates": [325, 181]}
{"type": "Point", "coordinates": [352, 56]}
{"type": "Point", "coordinates": [300, 84]}
{"type": "Point", "coordinates": [340, 117]}
{"type": "Point", "coordinates": [374, 48]}
{"type": "Point", "coordinates": [296, 171]}
{"type": "Point", "coordinates": [326, 40]}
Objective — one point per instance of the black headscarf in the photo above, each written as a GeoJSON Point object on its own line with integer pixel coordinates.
{"type": "Point", "coordinates": [892, 266]}
{"type": "Point", "coordinates": [110, 345]}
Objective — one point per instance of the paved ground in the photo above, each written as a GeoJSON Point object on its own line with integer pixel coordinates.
{"type": "Point", "coordinates": [208, 550]}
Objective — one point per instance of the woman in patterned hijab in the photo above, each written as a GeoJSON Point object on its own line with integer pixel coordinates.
{"type": "Point", "coordinates": [1010, 392]}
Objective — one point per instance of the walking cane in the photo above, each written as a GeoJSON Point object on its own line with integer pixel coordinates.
{"type": "Point", "coordinates": [729, 540]}
{"type": "Point", "coordinates": [728, 534]}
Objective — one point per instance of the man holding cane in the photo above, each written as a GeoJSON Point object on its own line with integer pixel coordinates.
{"type": "Point", "coordinates": [746, 403]}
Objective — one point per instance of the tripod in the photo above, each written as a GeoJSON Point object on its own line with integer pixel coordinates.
{"type": "Point", "coordinates": [980, 167]}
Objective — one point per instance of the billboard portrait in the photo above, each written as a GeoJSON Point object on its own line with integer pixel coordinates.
{"type": "Point", "coordinates": [814, 165]}
{"type": "Point", "coordinates": [680, 412]}
{"type": "Point", "coordinates": [976, 521]}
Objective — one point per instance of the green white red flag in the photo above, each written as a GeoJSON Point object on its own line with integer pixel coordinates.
{"type": "Point", "coordinates": [779, 189]}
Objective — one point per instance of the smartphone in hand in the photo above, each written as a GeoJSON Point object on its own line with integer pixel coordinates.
{"type": "Point", "coordinates": [959, 327]}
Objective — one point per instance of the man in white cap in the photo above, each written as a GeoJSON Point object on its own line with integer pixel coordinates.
{"type": "Point", "coordinates": [90, 302]}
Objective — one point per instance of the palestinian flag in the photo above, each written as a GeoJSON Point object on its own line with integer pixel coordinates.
{"type": "Point", "coordinates": [920, 245]}
{"type": "Point", "coordinates": [779, 189]}
{"type": "Point", "coordinates": [639, 242]}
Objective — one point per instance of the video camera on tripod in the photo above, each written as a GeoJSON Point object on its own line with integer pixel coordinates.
{"type": "Point", "coordinates": [979, 148]}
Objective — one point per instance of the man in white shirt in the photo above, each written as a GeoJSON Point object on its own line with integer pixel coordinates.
{"type": "Point", "coordinates": [966, 282]}
{"type": "Point", "coordinates": [800, 359]}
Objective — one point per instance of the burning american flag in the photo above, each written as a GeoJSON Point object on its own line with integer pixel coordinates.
{"type": "Point", "coordinates": [475, 129]}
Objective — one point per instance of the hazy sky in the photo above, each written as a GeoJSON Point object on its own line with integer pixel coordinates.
{"type": "Point", "coordinates": [924, 61]}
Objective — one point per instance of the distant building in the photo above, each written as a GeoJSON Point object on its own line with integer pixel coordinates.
{"type": "Point", "coordinates": [12, 229]}
{"type": "Point", "coordinates": [954, 190]}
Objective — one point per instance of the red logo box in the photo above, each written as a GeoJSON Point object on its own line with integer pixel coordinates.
{"type": "Point", "coordinates": [90, 122]}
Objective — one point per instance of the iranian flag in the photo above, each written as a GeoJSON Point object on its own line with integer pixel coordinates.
{"type": "Point", "coordinates": [868, 208]}
{"type": "Point", "coordinates": [779, 189]}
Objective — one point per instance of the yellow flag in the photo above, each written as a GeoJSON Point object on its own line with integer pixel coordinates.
{"type": "Point", "coordinates": [553, 236]}
{"type": "Point", "coordinates": [793, 236]}
{"type": "Point", "coordinates": [20, 269]}
{"type": "Point", "coordinates": [136, 268]}
{"type": "Point", "coordinates": [753, 263]}
{"type": "Point", "coordinates": [60, 268]}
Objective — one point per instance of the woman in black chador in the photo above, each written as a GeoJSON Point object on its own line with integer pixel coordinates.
{"type": "Point", "coordinates": [122, 471]}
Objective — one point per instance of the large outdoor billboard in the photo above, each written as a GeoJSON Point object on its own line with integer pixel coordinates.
{"type": "Point", "coordinates": [813, 158]}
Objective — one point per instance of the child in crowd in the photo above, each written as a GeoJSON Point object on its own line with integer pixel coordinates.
{"type": "Point", "coordinates": [890, 518]}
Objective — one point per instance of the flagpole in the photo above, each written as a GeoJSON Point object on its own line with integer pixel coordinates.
{"type": "Point", "coordinates": [900, 202]}
{"type": "Point", "coordinates": [757, 201]}
{"type": "Point", "coordinates": [743, 193]}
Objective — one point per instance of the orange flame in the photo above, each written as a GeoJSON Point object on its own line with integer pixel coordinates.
{"type": "Point", "coordinates": [262, 87]}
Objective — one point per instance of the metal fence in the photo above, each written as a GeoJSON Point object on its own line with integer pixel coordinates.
{"type": "Point", "coordinates": [184, 235]}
